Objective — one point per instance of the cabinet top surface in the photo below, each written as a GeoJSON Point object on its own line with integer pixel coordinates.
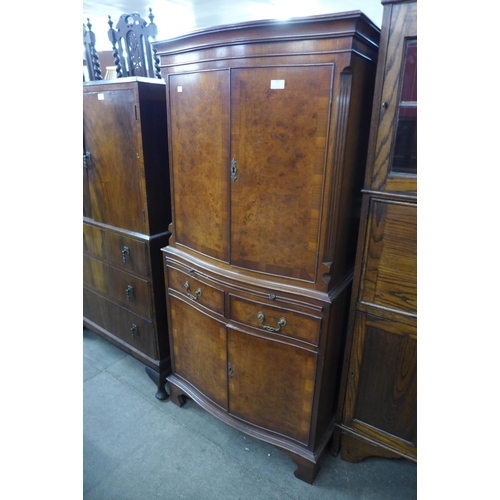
{"type": "Point", "coordinates": [124, 81]}
{"type": "Point", "coordinates": [386, 2]}
{"type": "Point", "coordinates": [327, 25]}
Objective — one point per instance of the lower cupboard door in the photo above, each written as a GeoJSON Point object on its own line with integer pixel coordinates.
{"type": "Point", "coordinates": [381, 397]}
{"type": "Point", "coordinates": [271, 384]}
{"type": "Point", "coordinates": [199, 350]}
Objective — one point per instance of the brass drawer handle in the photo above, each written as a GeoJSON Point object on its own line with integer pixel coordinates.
{"type": "Point", "coordinates": [189, 294]}
{"type": "Point", "coordinates": [86, 159]}
{"type": "Point", "coordinates": [281, 323]}
{"type": "Point", "coordinates": [125, 253]}
{"type": "Point", "coordinates": [133, 330]}
{"type": "Point", "coordinates": [129, 291]}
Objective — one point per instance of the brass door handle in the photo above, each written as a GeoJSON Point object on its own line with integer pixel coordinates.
{"type": "Point", "coordinates": [281, 323]}
{"type": "Point", "coordinates": [189, 294]}
{"type": "Point", "coordinates": [234, 170]}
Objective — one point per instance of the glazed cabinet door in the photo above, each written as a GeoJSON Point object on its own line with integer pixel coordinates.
{"type": "Point", "coordinates": [199, 131]}
{"type": "Point", "coordinates": [271, 384]}
{"type": "Point", "coordinates": [279, 128]}
{"type": "Point", "coordinates": [383, 368]}
{"type": "Point", "coordinates": [395, 162]}
{"type": "Point", "coordinates": [199, 349]}
{"type": "Point", "coordinates": [114, 164]}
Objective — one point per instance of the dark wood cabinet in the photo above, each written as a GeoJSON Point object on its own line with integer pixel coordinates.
{"type": "Point", "coordinates": [268, 135]}
{"type": "Point", "coordinates": [126, 212]}
{"type": "Point", "coordinates": [379, 398]}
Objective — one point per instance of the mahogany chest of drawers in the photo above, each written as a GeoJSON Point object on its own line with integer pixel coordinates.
{"type": "Point", "coordinates": [126, 212]}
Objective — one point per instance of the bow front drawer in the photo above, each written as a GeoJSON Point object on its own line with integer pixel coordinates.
{"type": "Point", "coordinates": [196, 290]}
{"type": "Point", "coordinates": [281, 319]}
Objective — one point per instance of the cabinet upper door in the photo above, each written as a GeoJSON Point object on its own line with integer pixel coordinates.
{"type": "Point", "coordinates": [279, 128]}
{"type": "Point", "coordinates": [395, 161]}
{"type": "Point", "coordinates": [199, 131]}
{"type": "Point", "coordinates": [114, 167]}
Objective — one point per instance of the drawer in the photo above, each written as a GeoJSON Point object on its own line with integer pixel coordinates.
{"type": "Point", "coordinates": [281, 320]}
{"type": "Point", "coordinates": [137, 332]}
{"type": "Point", "coordinates": [389, 276]}
{"type": "Point", "coordinates": [127, 290]}
{"type": "Point", "coordinates": [116, 249]}
{"type": "Point", "coordinates": [197, 290]}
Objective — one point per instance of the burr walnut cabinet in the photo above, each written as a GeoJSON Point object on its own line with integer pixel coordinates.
{"type": "Point", "coordinates": [379, 411]}
{"type": "Point", "coordinates": [268, 130]}
{"type": "Point", "coordinates": [126, 212]}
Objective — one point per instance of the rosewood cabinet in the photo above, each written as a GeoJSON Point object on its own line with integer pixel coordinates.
{"type": "Point", "coordinates": [379, 410]}
{"type": "Point", "coordinates": [267, 129]}
{"type": "Point", "coordinates": [126, 212]}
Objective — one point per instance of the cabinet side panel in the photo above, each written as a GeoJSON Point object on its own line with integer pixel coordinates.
{"type": "Point", "coordinates": [199, 125]}
{"type": "Point", "coordinates": [345, 216]}
{"type": "Point", "coordinates": [155, 151]}
{"type": "Point", "coordinates": [332, 369]}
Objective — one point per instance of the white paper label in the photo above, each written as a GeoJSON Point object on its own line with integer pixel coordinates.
{"type": "Point", "coordinates": [100, 97]}
{"type": "Point", "coordinates": [179, 88]}
{"type": "Point", "coordinates": [277, 84]}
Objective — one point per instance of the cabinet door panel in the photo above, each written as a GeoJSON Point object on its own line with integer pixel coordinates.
{"type": "Point", "coordinates": [199, 348]}
{"type": "Point", "coordinates": [278, 140]}
{"type": "Point", "coordinates": [389, 276]}
{"type": "Point", "coordinates": [272, 384]}
{"type": "Point", "coordinates": [199, 125]}
{"type": "Point", "coordinates": [116, 182]}
{"type": "Point", "coordinates": [382, 387]}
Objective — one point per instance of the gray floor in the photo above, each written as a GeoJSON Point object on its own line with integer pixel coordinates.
{"type": "Point", "coordinates": [136, 447]}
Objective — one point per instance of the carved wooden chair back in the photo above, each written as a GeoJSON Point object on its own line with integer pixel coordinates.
{"type": "Point", "coordinates": [132, 50]}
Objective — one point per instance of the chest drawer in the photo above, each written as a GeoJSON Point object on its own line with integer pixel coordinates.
{"type": "Point", "coordinates": [126, 326]}
{"type": "Point", "coordinates": [197, 290]}
{"type": "Point", "coordinates": [281, 320]}
{"type": "Point", "coordinates": [116, 249]}
{"type": "Point", "coordinates": [127, 290]}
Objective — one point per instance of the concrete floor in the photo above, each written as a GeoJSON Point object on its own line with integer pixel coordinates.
{"type": "Point", "coordinates": [136, 447]}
